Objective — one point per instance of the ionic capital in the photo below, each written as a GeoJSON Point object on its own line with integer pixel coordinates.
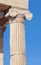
{"type": "Point", "coordinates": [16, 11]}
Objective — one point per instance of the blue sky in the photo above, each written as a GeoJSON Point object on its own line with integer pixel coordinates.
{"type": "Point", "coordinates": [32, 35]}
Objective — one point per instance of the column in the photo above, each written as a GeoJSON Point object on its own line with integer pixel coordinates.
{"type": "Point", "coordinates": [1, 44]}
{"type": "Point", "coordinates": [17, 41]}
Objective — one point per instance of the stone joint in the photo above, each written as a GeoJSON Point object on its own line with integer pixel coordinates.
{"type": "Point", "coordinates": [17, 54]}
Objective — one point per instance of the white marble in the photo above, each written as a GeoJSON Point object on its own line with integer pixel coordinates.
{"type": "Point", "coordinates": [17, 41]}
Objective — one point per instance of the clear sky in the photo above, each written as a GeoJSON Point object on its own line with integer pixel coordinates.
{"type": "Point", "coordinates": [32, 35]}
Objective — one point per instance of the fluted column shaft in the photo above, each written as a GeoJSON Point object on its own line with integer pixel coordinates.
{"type": "Point", "coordinates": [1, 44]}
{"type": "Point", "coordinates": [17, 41]}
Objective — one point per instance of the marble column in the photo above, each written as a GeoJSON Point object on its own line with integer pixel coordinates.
{"type": "Point", "coordinates": [1, 44]}
{"type": "Point", "coordinates": [17, 41]}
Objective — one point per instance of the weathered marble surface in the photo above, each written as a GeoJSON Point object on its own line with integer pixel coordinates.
{"type": "Point", "coordinates": [1, 58]}
{"type": "Point", "coordinates": [16, 3]}
{"type": "Point", "coordinates": [17, 41]}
